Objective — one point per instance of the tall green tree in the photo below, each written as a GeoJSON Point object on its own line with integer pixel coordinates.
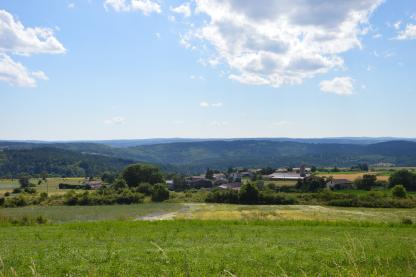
{"type": "Point", "coordinates": [142, 173]}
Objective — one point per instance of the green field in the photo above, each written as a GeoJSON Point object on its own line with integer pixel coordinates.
{"type": "Point", "coordinates": [51, 186]}
{"type": "Point", "coordinates": [208, 248]}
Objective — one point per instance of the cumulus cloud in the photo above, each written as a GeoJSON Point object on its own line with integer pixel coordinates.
{"type": "Point", "coordinates": [184, 9]}
{"type": "Point", "coordinates": [116, 120]}
{"type": "Point", "coordinates": [146, 7]}
{"type": "Point", "coordinates": [16, 39]}
{"type": "Point", "coordinates": [338, 85]}
{"type": "Point", "coordinates": [280, 41]}
{"type": "Point", "coordinates": [408, 33]}
{"type": "Point", "coordinates": [205, 104]}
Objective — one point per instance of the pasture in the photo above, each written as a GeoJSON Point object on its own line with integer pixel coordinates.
{"type": "Point", "coordinates": [199, 239]}
{"type": "Point", "coordinates": [50, 186]}
{"type": "Point", "coordinates": [381, 176]}
{"type": "Point", "coordinates": [208, 248]}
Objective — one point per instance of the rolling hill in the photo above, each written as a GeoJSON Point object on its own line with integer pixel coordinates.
{"type": "Point", "coordinates": [196, 156]}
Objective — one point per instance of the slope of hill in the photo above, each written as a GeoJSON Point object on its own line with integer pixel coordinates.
{"type": "Point", "coordinates": [192, 157]}
{"type": "Point", "coordinates": [56, 162]}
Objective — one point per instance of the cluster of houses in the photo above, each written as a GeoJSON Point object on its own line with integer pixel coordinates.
{"type": "Point", "coordinates": [234, 180]}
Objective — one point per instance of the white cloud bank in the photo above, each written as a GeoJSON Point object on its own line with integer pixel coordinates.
{"type": "Point", "coordinates": [338, 85]}
{"type": "Point", "coordinates": [16, 39]}
{"type": "Point", "coordinates": [280, 41]}
{"type": "Point", "coordinates": [146, 7]}
{"type": "Point", "coordinates": [184, 9]}
{"type": "Point", "coordinates": [408, 33]}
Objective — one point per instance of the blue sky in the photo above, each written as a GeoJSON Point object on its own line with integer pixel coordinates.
{"type": "Point", "coordinates": [142, 69]}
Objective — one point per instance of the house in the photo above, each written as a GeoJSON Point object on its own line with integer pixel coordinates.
{"type": "Point", "coordinates": [94, 184]}
{"type": "Point", "coordinates": [337, 184]}
{"type": "Point", "coordinates": [247, 174]}
{"type": "Point", "coordinates": [219, 176]}
{"type": "Point", "coordinates": [219, 182]}
{"type": "Point", "coordinates": [282, 176]}
{"type": "Point", "coordinates": [170, 184]}
{"type": "Point", "coordinates": [198, 183]}
{"type": "Point", "coordinates": [233, 186]}
{"type": "Point", "coordinates": [234, 177]}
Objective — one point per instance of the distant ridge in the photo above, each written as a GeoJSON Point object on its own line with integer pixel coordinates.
{"type": "Point", "coordinates": [196, 155]}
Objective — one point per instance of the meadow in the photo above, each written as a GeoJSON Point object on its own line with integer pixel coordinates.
{"type": "Point", "coordinates": [208, 248]}
{"type": "Point", "coordinates": [201, 239]}
{"type": "Point", "coordinates": [50, 186]}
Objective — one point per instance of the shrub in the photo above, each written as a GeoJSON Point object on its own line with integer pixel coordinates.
{"type": "Point", "coordinates": [249, 194]}
{"type": "Point", "coordinates": [17, 190]}
{"type": "Point", "coordinates": [276, 199]}
{"type": "Point", "coordinates": [366, 182]}
{"type": "Point", "coordinates": [145, 188]}
{"type": "Point", "coordinates": [159, 193]}
{"type": "Point", "coordinates": [2, 201]}
{"type": "Point", "coordinates": [399, 191]}
{"type": "Point", "coordinates": [141, 173]}
{"type": "Point", "coordinates": [407, 221]}
{"type": "Point", "coordinates": [41, 220]}
{"type": "Point", "coordinates": [30, 190]}
{"type": "Point", "coordinates": [223, 196]}
{"type": "Point", "coordinates": [403, 177]}
{"type": "Point", "coordinates": [7, 194]}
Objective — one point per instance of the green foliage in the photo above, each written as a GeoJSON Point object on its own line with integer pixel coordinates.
{"type": "Point", "coordinates": [209, 174]}
{"type": "Point", "coordinates": [141, 173]}
{"type": "Point", "coordinates": [58, 162]}
{"type": "Point", "coordinates": [24, 182]}
{"type": "Point", "coordinates": [2, 201]}
{"type": "Point", "coordinates": [249, 194]}
{"type": "Point", "coordinates": [145, 188]}
{"type": "Point", "coordinates": [399, 191]}
{"type": "Point", "coordinates": [223, 196]}
{"type": "Point", "coordinates": [311, 184]}
{"type": "Point", "coordinates": [159, 193]}
{"type": "Point", "coordinates": [403, 177]}
{"type": "Point", "coordinates": [103, 197]}
{"type": "Point", "coordinates": [366, 182]}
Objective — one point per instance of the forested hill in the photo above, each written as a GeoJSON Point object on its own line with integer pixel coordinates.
{"type": "Point", "coordinates": [57, 162]}
{"type": "Point", "coordinates": [72, 159]}
{"type": "Point", "coordinates": [220, 154]}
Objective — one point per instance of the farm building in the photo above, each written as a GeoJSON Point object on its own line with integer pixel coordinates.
{"type": "Point", "coordinates": [281, 176]}
{"type": "Point", "coordinates": [233, 186]}
{"type": "Point", "coordinates": [340, 184]}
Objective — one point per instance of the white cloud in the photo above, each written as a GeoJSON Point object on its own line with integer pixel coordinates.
{"type": "Point", "coordinates": [17, 39]}
{"type": "Point", "coordinates": [397, 24]}
{"type": "Point", "coordinates": [71, 5]}
{"type": "Point", "coordinates": [219, 123]}
{"type": "Point", "coordinates": [40, 75]}
{"type": "Point", "coordinates": [14, 73]}
{"type": "Point", "coordinates": [204, 104]}
{"type": "Point", "coordinates": [409, 33]}
{"type": "Point", "coordinates": [116, 120]}
{"type": "Point", "coordinates": [338, 85]}
{"type": "Point", "coordinates": [158, 35]}
{"type": "Point", "coordinates": [279, 41]}
{"type": "Point", "coordinates": [184, 9]}
{"type": "Point", "coordinates": [146, 7]}
{"type": "Point", "coordinates": [378, 35]}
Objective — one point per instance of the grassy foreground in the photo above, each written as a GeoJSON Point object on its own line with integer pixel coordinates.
{"type": "Point", "coordinates": [208, 248]}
